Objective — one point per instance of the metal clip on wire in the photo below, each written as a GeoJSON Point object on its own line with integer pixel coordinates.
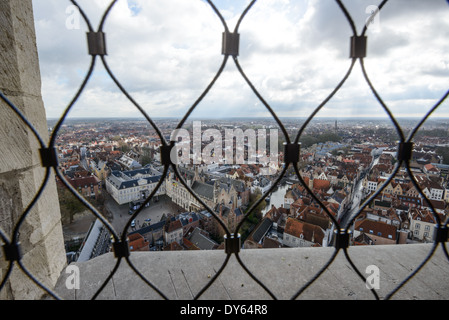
{"type": "Point", "coordinates": [49, 158]}
{"type": "Point", "coordinates": [121, 249]}
{"type": "Point", "coordinates": [405, 151]}
{"type": "Point", "coordinates": [232, 244]}
{"type": "Point", "coordinates": [291, 152]}
{"type": "Point", "coordinates": [167, 156]}
{"type": "Point", "coordinates": [12, 252]}
{"type": "Point", "coordinates": [342, 239]}
{"type": "Point", "coordinates": [230, 44]}
{"type": "Point", "coordinates": [441, 234]}
{"type": "Point", "coordinates": [96, 42]}
{"type": "Point", "coordinates": [358, 46]}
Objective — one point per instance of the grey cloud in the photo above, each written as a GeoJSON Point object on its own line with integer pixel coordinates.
{"type": "Point", "coordinates": [171, 59]}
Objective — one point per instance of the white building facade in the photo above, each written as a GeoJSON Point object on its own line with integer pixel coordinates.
{"type": "Point", "coordinates": [133, 185]}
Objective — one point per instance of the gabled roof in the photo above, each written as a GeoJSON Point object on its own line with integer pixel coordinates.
{"type": "Point", "coordinates": [431, 167]}
{"type": "Point", "coordinates": [271, 243]}
{"type": "Point", "coordinates": [261, 230]}
{"type": "Point", "coordinates": [314, 216]}
{"type": "Point", "coordinates": [189, 245]}
{"type": "Point", "coordinates": [424, 215]}
{"type": "Point", "coordinates": [321, 184]}
{"type": "Point", "coordinates": [187, 218]}
{"type": "Point", "coordinates": [83, 181]}
{"type": "Point", "coordinates": [376, 228]}
{"type": "Point", "coordinates": [151, 228]}
{"type": "Point", "coordinates": [274, 214]}
{"type": "Point", "coordinates": [238, 185]}
{"type": "Point", "coordinates": [304, 230]}
{"type": "Point", "coordinates": [200, 240]}
{"type": "Point", "coordinates": [203, 189]}
{"type": "Point", "coordinates": [173, 226]}
{"type": "Point", "coordinates": [128, 179]}
{"type": "Point", "coordinates": [173, 246]}
{"type": "Point", "coordinates": [238, 211]}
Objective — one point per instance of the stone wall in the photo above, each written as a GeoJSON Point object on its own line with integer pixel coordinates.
{"type": "Point", "coordinates": [21, 173]}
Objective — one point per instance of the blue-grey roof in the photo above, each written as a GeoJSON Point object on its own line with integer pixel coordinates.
{"type": "Point", "coordinates": [188, 217]}
{"type": "Point", "coordinates": [203, 189]}
{"type": "Point", "coordinates": [262, 230]}
{"type": "Point", "coordinates": [154, 227]}
{"type": "Point", "coordinates": [238, 211]}
{"type": "Point", "coordinates": [128, 179]}
{"type": "Point", "coordinates": [198, 238]}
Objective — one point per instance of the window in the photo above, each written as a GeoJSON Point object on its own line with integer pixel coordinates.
{"type": "Point", "coordinates": [417, 226]}
{"type": "Point", "coordinates": [427, 228]}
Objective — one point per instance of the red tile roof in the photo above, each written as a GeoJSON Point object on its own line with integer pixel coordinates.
{"type": "Point", "coordinates": [308, 231]}
{"type": "Point", "coordinates": [376, 228]}
{"type": "Point", "coordinates": [174, 225]}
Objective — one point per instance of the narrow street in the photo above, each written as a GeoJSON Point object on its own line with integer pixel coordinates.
{"type": "Point", "coordinates": [356, 198]}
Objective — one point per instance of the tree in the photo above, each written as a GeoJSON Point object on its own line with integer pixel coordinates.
{"type": "Point", "coordinates": [257, 211]}
{"type": "Point", "coordinates": [123, 146]}
{"type": "Point", "coordinates": [443, 152]}
{"type": "Point", "coordinates": [144, 160]}
{"type": "Point", "coordinates": [69, 204]}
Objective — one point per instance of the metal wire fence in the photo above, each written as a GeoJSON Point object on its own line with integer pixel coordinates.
{"type": "Point", "coordinates": [230, 49]}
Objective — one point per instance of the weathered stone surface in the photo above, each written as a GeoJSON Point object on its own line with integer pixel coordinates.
{"type": "Point", "coordinates": [21, 173]}
{"type": "Point", "coordinates": [180, 275]}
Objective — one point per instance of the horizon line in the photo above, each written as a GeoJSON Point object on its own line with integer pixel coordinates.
{"type": "Point", "coordinates": [247, 117]}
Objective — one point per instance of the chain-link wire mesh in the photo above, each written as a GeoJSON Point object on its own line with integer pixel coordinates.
{"type": "Point", "coordinates": [97, 50]}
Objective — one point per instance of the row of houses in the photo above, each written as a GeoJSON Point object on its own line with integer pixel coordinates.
{"type": "Point", "coordinates": [402, 185]}
{"type": "Point", "coordinates": [401, 213]}
{"type": "Point", "coordinates": [309, 225]}
{"type": "Point", "coordinates": [186, 231]}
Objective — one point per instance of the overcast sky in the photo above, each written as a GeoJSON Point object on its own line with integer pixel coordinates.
{"type": "Point", "coordinates": [295, 52]}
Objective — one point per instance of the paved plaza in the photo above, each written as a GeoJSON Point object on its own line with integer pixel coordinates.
{"type": "Point", "coordinates": [119, 214]}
